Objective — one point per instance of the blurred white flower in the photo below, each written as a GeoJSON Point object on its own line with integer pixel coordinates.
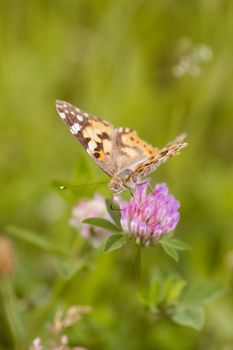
{"type": "Point", "coordinates": [36, 344]}
{"type": "Point", "coordinates": [191, 61]}
{"type": "Point", "coordinates": [90, 208]}
{"type": "Point", "coordinates": [58, 340]}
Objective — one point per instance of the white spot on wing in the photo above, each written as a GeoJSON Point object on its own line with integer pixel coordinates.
{"type": "Point", "coordinates": [92, 145]}
{"type": "Point", "coordinates": [75, 128]}
{"type": "Point", "coordinates": [62, 115]}
{"type": "Point", "coordinates": [80, 118]}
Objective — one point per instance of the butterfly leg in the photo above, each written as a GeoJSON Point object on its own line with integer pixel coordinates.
{"type": "Point", "coordinates": [142, 183]}
{"type": "Point", "coordinates": [150, 187]}
{"type": "Point", "coordinates": [135, 199]}
{"type": "Point", "coordinates": [111, 205]}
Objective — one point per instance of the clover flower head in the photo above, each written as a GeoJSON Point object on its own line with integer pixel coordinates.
{"type": "Point", "coordinates": [148, 216]}
{"type": "Point", "coordinates": [90, 208]}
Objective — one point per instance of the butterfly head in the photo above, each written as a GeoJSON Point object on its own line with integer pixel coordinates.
{"type": "Point", "coordinates": [116, 185]}
{"type": "Point", "coordinates": [121, 182]}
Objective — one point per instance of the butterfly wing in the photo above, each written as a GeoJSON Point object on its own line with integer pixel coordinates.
{"type": "Point", "coordinates": [153, 162]}
{"type": "Point", "coordinates": [129, 150]}
{"type": "Point", "coordinates": [93, 133]}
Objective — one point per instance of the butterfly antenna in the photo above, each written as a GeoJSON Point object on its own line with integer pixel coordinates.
{"type": "Point", "coordinates": [66, 187]}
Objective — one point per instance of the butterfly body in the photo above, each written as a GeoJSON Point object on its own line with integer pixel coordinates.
{"type": "Point", "coordinates": [119, 152]}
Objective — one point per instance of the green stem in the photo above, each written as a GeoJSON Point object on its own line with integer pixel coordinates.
{"type": "Point", "coordinates": [10, 330]}
{"type": "Point", "coordinates": [139, 267]}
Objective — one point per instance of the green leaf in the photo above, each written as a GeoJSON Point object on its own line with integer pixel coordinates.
{"type": "Point", "coordinates": [192, 317]}
{"type": "Point", "coordinates": [178, 245]}
{"type": "Point", "coordinates": [103, 223]}
{"type": "Point", "coordinates": [114, 211]}
{"type": "Point", "coordinates": [171, 245]}
{"type": "Point", "coordinates": [175, 243]}
{"type": "Point", "coordinates": [175, 290]}
{"type": "Point", "coordinates": [36, 240]}
{"type": "Point", "coordinates": [114, 242]}
{"type": "Point", "coordinates": [169, 249]}
{"type": "Point", "coordinates": [203, 294]}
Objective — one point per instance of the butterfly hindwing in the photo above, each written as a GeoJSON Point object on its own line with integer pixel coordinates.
{"type": "Point", "coordinates": [152, 163]}
{"type": "Point", "coordinates": [93, 133]}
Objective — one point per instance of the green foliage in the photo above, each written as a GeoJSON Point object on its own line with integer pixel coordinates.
{"type": "Point", "coordinates": [203, 294]}
{"type": "Point", "coordinates": [114, 242]}
{"type": "Point", "coordinates": [115, 59]}
{"type": "Point", "coordinates": [36, 241]}
{"type": "Point", "coordinates": [102, 223]}
{"type": "Point", "coordinates": [166, 297]}
{"type": "Point", "coordinates": [190, 311]}
{"type": "Point", "coordinates": [113, 211]}
{"type": "Point", "coordinates": [190, 316]}
{"type": "Point", "coordinates": [171, 246]}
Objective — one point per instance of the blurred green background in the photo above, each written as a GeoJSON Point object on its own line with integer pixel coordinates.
{"type": "Point", "coordinates": [137, 64]}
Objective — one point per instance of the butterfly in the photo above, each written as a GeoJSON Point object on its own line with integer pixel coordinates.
{"type": "Point", "coordinates": [121, 154]}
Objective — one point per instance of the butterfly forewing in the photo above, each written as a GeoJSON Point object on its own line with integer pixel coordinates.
{"type": "Point", "coordinates": [93, 133]}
